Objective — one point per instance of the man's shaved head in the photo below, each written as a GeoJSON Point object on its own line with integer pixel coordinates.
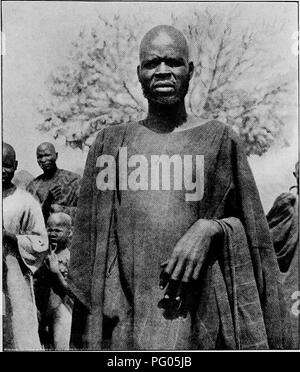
{"type": "Point", "coordinates": [9, 164]}
{"type": "Point", "coordinates": [8, 151]}
{"type": "Point", "coordinates": [165, 70]}
{"type": "Point", "coordinates": [46, 157]}
{"type": "Point", "coordinates": [46, 146]}
{"type": "Point", "coordinates": [164, 35]}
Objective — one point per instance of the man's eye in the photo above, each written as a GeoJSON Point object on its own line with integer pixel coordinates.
{"type": "Point", "coordinates": [173, 63]}
{"type": "Point", "coordinates": [150, 64]}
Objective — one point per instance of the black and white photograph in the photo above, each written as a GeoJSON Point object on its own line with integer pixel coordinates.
{"type": "Point", "coordinates": [150, 177]}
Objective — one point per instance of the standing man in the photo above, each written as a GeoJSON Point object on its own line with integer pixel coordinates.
{"type": "Point", "coordinates": [25, 245]}
{"type": "Point", "coordinates": [283, 219]}
{"type": "Point", "coordinates": [56, 189]}
{"type": "Point", "coordinates": [171, 248]}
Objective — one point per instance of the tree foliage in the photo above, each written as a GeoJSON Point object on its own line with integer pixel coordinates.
{"type": "Point", "coordinates": [233, 79]}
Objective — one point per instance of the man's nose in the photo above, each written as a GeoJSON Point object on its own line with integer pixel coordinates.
{"type": "Point", "coordinates": [163, 70]}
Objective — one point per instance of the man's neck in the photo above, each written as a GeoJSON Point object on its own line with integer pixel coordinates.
{"type": "Point", "coordinates": [165, 118]}
{"type": "Point", "coordinates": [8, 189]}
{"type": "Point", "coordinates": [50, 173]}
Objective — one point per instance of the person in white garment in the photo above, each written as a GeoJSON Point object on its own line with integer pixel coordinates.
{"type": "Point", "coordinates": [25, 245]}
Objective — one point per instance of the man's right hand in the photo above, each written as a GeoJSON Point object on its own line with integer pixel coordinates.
{"type": "Point", "coordinates": [56, 191]}
{"type": "Point", "coordinates": [50, 203]}
{"type": "Point", "coordinates": [8, 237]}
{"type": "Point", "coordinates": [9, 241]}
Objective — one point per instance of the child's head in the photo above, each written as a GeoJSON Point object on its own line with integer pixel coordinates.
{"type": "Point", "coordinates": [59, 227]}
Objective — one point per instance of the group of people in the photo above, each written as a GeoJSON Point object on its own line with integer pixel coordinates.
{"type": "Point", "coordinates": [37, 231]}
{"type": "Point", "coordinates": [149, 267]}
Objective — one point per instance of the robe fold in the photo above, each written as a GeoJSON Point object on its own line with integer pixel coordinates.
{"type": "Point", "coordinates": [122, 236]}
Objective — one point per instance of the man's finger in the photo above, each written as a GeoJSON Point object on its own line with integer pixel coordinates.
{"type": "Point", "coordinates": [164, 264]}
{"type": "Point", "coordinates": [188, 299]}
{"type": "Point", "coordinates": [188, 273]}
{"type": "Point", "coordinates": [165, 274]}
{"type": "Point", "coordinates": [56, 190]}
{"type": "Point", "coordinates": [178, 270]}
{"type": "Point", "coordinates": [197, 270]}
{"type": "Point", "coordinates": [163, 279]}
{"type": "Point", "coordinates": [172, 289]}
{"type": "Point", "coordinates": [171, 264]}
{"type": "Point", "coordinates": [181, 290]}
{"type": "Point", "coordinates": [71, 197]}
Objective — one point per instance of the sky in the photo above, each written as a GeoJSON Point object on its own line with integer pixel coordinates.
{"type": "Point", "coordinates": [37, 38]}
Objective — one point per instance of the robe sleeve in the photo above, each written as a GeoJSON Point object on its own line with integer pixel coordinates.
{"type": "Point", "coordinates": [84, 237]}
{"type": "Point", "coordinates": [250, 212]}
{"type": "Point", "coordinates": [32, 239]}
{"type": "Point", "coordinates": [248, 327]}
{"type": "Point", "coordinates": [30, 187]}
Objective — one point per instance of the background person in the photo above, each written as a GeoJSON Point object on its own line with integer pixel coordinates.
{"type": "Point", "coordinates": [283, 219]}
{"type": "Point", "coordinates": [56, 189]}
{"type": "Point", "coordinates": [53, 296]}
{"type": "Point", "coordinates": [25, 245]}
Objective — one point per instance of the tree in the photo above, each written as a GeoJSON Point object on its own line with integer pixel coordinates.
{"type": "Point", "coordinates": [97, 86]}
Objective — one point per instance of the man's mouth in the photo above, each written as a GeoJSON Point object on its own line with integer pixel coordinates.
{"type": "Point", "coordinates": [163, 87]}
{"type": "Point", "coordinates": [46, 165]}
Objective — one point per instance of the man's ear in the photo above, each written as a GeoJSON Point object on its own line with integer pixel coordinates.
{"type": "Point", "coordinates": [191, 69]}
{"type": "Point", "coordinates": [138, 71]}
{"type": "Point", "coordinates": [16, 164]}
{"type": "Point", "coordinates": [56, 155]}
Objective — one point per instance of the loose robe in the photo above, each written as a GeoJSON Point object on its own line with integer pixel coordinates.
{"type": "Point", "coordinates": [23, 217]}
{"type": "Point", "coordinates": [121, 237]}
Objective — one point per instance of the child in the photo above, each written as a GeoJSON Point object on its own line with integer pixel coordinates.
{"type": "Point", "coordinates": [56, 308]}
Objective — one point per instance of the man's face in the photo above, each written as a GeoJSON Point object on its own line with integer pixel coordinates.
{"type": "Point", "coordinates": [296, 173]}
{"type": "Point", "coordinates": [9, 166]}
{"type": "Point", "coordinates": [164, 72]}
{"type": "Point", "coordinates": [46, 157]}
